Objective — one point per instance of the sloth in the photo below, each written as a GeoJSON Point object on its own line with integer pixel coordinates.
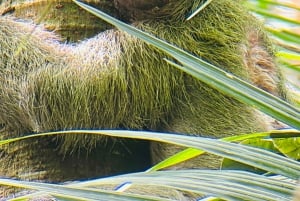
{"type": "Point", "coordinates": [115, 81]}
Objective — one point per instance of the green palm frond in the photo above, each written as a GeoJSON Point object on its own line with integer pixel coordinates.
{"type": "Point", "coordinates": [231, 185]}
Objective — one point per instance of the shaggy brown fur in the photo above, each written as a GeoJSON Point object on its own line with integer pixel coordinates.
{"type": "Point", "coordinates": [260, 63]}
{"type": "Point", "coordinates": [114, 80]}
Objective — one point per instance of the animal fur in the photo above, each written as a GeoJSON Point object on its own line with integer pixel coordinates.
{"type": "Point", "coordinates": [114, 80]}
{"type": "Point", "coordinates": [64, 17]}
